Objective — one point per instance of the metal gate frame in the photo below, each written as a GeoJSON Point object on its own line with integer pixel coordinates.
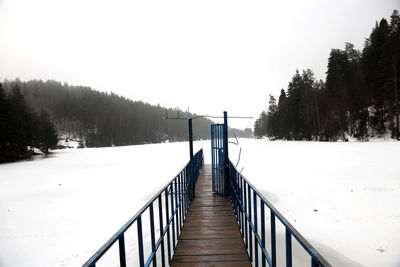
{"type": "Point", "coordinates": [220, 158]}
{"type": "Point", "coordinates": [217, 157]}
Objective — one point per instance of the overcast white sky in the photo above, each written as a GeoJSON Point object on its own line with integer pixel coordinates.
{"type": "Point", "coordinates": [209, 55]}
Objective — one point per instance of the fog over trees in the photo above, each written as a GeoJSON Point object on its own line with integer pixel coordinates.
{"type": "Point", "coordinates": [22, 129]}
{"type": "Point", "coordinates": [359, 98]}
{"type": "Point", "coordinates": [36, 110]}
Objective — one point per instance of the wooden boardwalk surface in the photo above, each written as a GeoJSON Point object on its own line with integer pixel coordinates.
{"type": "Point", "coordinates": [210, 234]}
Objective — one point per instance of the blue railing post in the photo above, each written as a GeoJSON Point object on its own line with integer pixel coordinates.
{"type": "Point", "coordinates": [187, 183]}
{"type": "Point", "coordinates": [288, 248]}
{"type": "Point", "coordinates": [121, 244]}
{"type": "Point", "coordinates": [255, 228]}
{"type": "Point", "coordinates": [167, 222]}
{"type": "Point", "coordinates": [177, 221]}
{"type": "Point", "coordinates": [273, 240]}
{"type": "Point", "coordinates": [140, 240]}
{"type": "Point", "coordinates": [184, 181]}
{"type": "Point", "coordinates": [238, 198]}
{"type": "Point", "coordinates": [160, 216]}
{"type": "Point", "coordinates": [212, 159]}
{"type": "Point", "coordinates": [173, 216]}
{"type": "Point", "coordinates": [250, 234]}
{"type": "Point", "coordinates": [262, 231]}
{"type": "Point", "coordinates": [182, 198]}
{"type": "Point", "coordinates": [153, 238]}
{"type": "Point", "coordinates": [226, 155]}
{"type": "Point", "coordinates": [245, 212]}
{"type": "Point", "coordinates": [242, 209]}
{"type": "Point", "coordinates": [193, 194]}
{"type": "Point", "coordinates": [221, 163]}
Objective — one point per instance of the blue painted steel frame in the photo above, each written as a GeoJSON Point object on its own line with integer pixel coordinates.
{"type": "Point", "coordinates": [177, 201]}
{"type": "Point", "coordinates": [245, 201]}
{"type": "Point", "coordinates": [218, 159]}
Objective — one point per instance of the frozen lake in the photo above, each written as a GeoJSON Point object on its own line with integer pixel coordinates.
{"type": "Point", "coordinates": [354, 188]}
{"type": "Point", "coordinates": [343, 197]}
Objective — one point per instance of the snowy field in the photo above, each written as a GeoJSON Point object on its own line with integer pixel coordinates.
{"type": "Point", "coordinates": [343, 197]}
{"type": "Point", "coordinates": [58, 211]}
{"type": "Point", "coordinates": [354, 188]}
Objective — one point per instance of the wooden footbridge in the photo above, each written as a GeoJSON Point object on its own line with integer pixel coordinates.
{"type": "Point", "coordinates": [207, 215]}
{"type": "Point", "coordinates": [210, 235]}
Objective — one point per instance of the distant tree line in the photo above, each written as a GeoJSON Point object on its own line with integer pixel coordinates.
{"type": "Point", "coordinates": [359, 98]}
{"type": "Point", "coordinates": [21, 129]}
{"type": "Point", "coordinates": [105, 119]}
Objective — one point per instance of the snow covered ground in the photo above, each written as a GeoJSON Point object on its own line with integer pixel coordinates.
{"type": "Point", "coordinates": [355, 188]}
{"type": "Point", "coordinates": [57, 211]}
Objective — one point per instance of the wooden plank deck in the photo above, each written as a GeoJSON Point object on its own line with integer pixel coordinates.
{"type": "Point", "coordinates": [210, 234]}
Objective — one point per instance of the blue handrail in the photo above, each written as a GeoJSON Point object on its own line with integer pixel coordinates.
{"type": "Point", "coordinates": [245, 200]}
{"type": "Point", "coordinates": [175, 210]}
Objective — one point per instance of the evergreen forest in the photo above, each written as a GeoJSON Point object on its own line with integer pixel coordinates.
{"type": "Point", "coordinates": [39, 113]}
{"type": "Point", "coordinates": [22, 129]}
{"type": "Point", "coordinates": [358, 99]}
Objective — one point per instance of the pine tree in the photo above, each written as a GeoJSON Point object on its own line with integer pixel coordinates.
{"type": "Point", "coordinates": [272, 119]}
{"type": "Point", "coordinates": [44, 134]}
{"type": "Point", "coordinates": [283, 129]}
{"type": "Point", "coordinates": [4, 128]}
{"type": "Point", "coordinates": [258, 126]}
{"type": "Point", "coordinates": [394, 32]}
{"type": "Point", "coordinates": [375, 66]}
{"type": "Point", "coordinates": [20, 124]}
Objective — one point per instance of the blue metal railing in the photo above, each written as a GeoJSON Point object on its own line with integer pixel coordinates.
{"type": "Point", "coordinates": [176, 196]}
{"type": "Point", "coordinates": [249, 207]}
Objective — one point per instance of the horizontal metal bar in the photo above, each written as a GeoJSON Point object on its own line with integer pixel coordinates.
{"type": "Point", "coordinates": [220, 117]}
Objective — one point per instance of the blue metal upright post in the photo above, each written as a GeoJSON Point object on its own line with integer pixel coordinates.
{"type": "Point", "coordinates": [288, 248]}
{"type": "Point", "coordinates": [140, 240]}
{"type": "Point", "coordinates": [226, 158]}
{"type": "Point", "coordinates": [191, 158]}
{"type": "Point", "coordinates": [122, 258]}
